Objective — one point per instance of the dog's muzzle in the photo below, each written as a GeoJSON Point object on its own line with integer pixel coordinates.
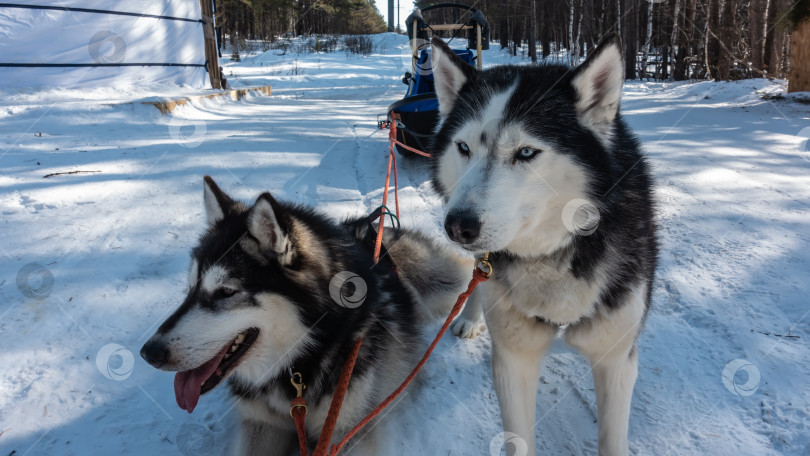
{"type": "Point", "coordinates": [462, 227]}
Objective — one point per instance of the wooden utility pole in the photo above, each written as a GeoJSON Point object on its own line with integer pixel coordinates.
{"type": "Point", "coordinates": [390, 15]}
{"type": "Point", "coordinates": [211, 55]}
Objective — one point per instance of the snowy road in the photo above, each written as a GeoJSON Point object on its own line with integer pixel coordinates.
{"type": "Point", "coordinates": [112, 247]}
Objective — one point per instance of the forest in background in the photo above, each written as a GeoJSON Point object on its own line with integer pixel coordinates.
{"type": "Point", "coordinates": [266, 20]}
{"type": "Point", "coordinates": [671, 39]}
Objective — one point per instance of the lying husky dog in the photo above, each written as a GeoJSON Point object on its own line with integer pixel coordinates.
{"type": "Point", "coordinates": [536, 165]}
{"type": "Point", "coordinates": [276, 288]}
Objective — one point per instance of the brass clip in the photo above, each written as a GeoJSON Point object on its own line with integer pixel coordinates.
{"type": "Point", "coordinates": [297, 381]}
{"type": "Point", "coordinates": [481, 263]}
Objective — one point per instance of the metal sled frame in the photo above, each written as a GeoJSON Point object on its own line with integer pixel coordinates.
{"type": "Point", "coordinates": [417, 112]}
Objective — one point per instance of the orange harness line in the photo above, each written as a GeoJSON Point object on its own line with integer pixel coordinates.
{"type": "Point", "coordinates": [392, 163]}
{"type": "Point", "coordinates": [298, 407]}
{"type": "Point", "coordinates": [298, 411]}
{"type": "Point", "coordinates": [478, 277]}
{"type": "Point", "coordinates": [392, 137]}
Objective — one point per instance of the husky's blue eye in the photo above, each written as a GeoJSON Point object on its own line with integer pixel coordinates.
{"type": "Point", "coordinates": [224, 292]}
{"type": "Point", "coordinates": [463, 148]}
{"type": "Point", "coordinates": [527, 153]}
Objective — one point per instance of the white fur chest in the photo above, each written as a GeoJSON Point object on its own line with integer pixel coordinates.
{"type": "Point", "coordinates": [273, 408]}
{"type": "Point", "coordinates": [546, 290]}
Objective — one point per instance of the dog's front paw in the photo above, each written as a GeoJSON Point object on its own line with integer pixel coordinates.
{"type": "Point", "coordinates": [467, 329]}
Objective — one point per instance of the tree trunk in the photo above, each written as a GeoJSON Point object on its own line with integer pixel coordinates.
{"type": "Point", "coordinates": [673, 40]}
{"type": "Point", "coordinates": [577, 48]}
{"type": "Point", "coordinates": [782, 53]}
{"type": "Point", "coordinates": [504, 33]}
{"type": "Point", "coordinates": [688, 38]}
{"type": "Point", "coordinates": [775, 39]}
{"type": "Point", "coordinates": [533, 33]}
{"type": "Point", "coordinates": [602, 19]}
{"type": "Point", "coordinates": [545, 29]}
{"type": "Point", "coordinates": [756, 12]}
{"type": "Point", "coordinates": [725, 58]}
{"type": "Point", "coordinates": [630, 37]}
{"type": "Point", "coordinates": [517, 36]}
{"type": "Point", "coordinates": [589, 25]}
{"type": "Point", "coordinates": [648, 40]}
{"type": "Point", "coordinates": [712, 45]}
{"type": "Point", "coordinates": [571, 33]}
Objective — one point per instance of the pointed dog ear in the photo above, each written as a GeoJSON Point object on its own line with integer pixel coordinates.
{"type": "Point", "coordinates": [598, 84]}
{"type": "Point", "coordinates": [217, 203]}
{"type": "Point", "coordinates": [450, 74]}
{"type": "Point", "coordinates": [265, 223]}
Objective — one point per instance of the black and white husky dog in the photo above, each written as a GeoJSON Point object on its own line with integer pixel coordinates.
{"type": "Point", "coordinates": [536, 166]}
{"type": "Point", "coordinates": [276, 288]}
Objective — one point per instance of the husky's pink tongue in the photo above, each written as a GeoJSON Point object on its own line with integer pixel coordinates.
{"type": "Point", "coordinates": [187, 384]}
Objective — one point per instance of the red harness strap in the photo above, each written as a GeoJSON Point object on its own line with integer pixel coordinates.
{"type": "Point", "coordinates": [298, 407]}
{"type": "Point", "coordinates": [392, 163]}
{"type": "Point", "coordinates": [298, 410]}
{"type": "Point", "coordinates": [337, 400]}
{"type": "Point", "coordinates": [478, 277]}
{"type": "Point", "coordinates": [392, 137]}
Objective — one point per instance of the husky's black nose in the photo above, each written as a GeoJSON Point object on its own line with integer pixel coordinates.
{"type": "Point", "coordinates": [155, 353]}
{"type": "Point", "coordinates": [462, 227]}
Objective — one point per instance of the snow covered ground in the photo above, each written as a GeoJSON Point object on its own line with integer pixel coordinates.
{"type": "Point", "coordinates": [92, 262]}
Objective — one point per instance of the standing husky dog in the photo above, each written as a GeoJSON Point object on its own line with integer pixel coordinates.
{"type": "Point", "coordinates": [275, 289]}
{"type": "Point", "coordinates": [536, 165]}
